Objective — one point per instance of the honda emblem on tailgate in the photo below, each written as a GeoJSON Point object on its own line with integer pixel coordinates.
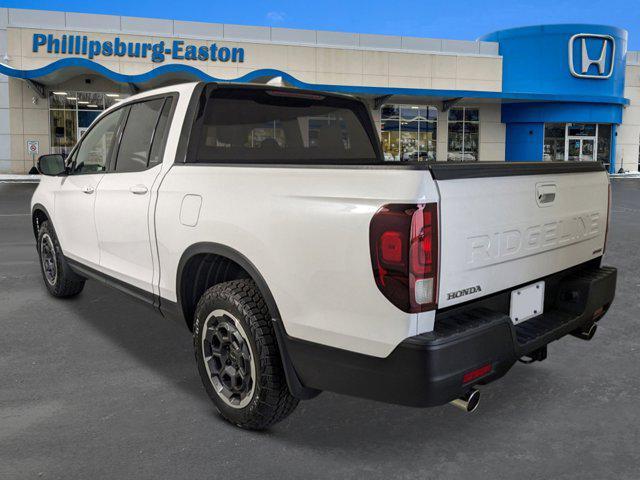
{"type": "Point", "coordinates": [463, 292]}
{"type": "Point", "coordinates": [602, 56]}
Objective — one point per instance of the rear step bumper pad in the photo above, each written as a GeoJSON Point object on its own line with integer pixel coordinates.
{"type": "Point", "coordinates": [428, 369]}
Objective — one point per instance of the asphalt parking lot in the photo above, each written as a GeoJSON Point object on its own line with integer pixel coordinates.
{"type": "Point", "coordinates": [100, 387]}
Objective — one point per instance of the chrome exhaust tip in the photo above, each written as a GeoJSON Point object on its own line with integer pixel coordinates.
{"type": "Point", "coordinates": [586, 334]}
{"type": "Point", "coordinates": [468, 402]}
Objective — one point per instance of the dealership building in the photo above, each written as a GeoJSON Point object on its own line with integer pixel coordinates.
{"type": "Point", "coordinates": [549, 92]}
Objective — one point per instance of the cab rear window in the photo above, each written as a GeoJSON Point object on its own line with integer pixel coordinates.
{"type": "Point", "coordinates": [278, 126]}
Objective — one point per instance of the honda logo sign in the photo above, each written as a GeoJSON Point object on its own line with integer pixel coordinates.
{"type": "Point", "coordinates": [595, 58]}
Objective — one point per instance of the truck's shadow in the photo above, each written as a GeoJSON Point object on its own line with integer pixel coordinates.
{"type": "Point", "coordinates": [159, 344]}
{"type": "Point", "coordinates": [365, 428]}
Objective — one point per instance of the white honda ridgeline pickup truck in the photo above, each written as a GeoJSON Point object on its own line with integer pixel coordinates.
{"type": "Point", "coordinates": [266, 220]}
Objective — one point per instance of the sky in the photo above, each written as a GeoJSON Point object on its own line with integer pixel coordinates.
{"type": "Point", "coordinates": [452, 19]}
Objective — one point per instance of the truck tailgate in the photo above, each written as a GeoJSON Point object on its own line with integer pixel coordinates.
{"type": "Point", "coordinates": [524, 223]}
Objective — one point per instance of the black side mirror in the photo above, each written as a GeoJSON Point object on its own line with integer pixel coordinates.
{"type": "Point", "coordinates": [52, 165]}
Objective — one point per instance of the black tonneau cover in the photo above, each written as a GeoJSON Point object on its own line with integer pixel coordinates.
{"type": "Point", "coordinates": [450, 171]}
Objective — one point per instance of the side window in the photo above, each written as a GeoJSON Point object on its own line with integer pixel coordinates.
{"type": "Point", "coordinates": [97, 145]}
{"type": "Point", "coordinates": [135, 145]}
{"type": "Point", "coordinates": [160, 137]}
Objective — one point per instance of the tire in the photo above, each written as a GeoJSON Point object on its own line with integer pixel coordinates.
{"type": "Point", "coordinates": [234, 336]}
{"type": "Point", "coordinates": [58, 277]}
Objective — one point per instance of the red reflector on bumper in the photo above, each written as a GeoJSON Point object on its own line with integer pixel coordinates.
{"type": "Point", "coordinates": [477, 373]}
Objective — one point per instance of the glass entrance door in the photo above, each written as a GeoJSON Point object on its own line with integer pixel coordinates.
{"type": "Point", "coordinates": [578, 142]}
{"type": "Point", "coordinates": [580, 149]}
{"type": "Point", "coordinates": [586, 152]}
{"type": "Point", "coordinates": [572, 150]}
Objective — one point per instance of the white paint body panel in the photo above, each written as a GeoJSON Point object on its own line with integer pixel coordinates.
{"type": "Point", "coordinates": [306, 230]}
{"type": "Point", "coordinates": [495, 235]}
{"type": "Point", "coordinates": [123, 227]}
{"type": "Point", "coordinates": [78, 231]}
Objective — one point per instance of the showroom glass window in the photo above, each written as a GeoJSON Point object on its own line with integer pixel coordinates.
{"type": "Point", "coordinates": [464, 134]}
{"type": "Point", "coordinates": [71, 113]}
{"type": "Point", "coordinates": [577, 142]}
{"type": "Point", "coordinates": [408, 132]}
{"type": "Point", "coordinates": [604, 144]}
{"type": "Point", "coordinates": [554, 142]}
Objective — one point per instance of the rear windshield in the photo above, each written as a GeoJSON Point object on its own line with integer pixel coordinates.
{"type": "Point", "coordinates": [274, 126]}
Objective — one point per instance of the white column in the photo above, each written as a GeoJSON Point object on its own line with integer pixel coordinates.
{"type": "Point", "coordinates": [492, 133]}
{"type": "Point", "coordinates": [443, 131]}
{"type": "Point", "coordinates": [5, 138]}
{"type": "Point", "coordinates": [628, 139]}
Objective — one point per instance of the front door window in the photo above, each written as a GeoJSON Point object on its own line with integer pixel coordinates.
{"type": "Point", "coordinates": [71, 114]}
{"type": "Point", "coordinates": [94, 151]}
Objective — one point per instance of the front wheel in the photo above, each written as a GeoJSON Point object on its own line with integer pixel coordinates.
{"type": "Point", "coordinates": [58, 277]}
{"type": "Point", "coordinates": [238, 358]}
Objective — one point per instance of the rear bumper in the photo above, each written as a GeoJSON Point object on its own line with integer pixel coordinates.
{"type": "Point", "coordinates": [428, 369]}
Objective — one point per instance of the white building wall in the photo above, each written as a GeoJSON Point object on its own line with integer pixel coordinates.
{"type": "Point", "coordinates": [29, 120]}
{"type": "Point", "coordinates": [5, 118]}
{"type": "Point", "coordinates": [361, 66]}
{"type": "Point", "coordinates": [443, 130]}
{"type": "Point", "coordinates": [492, 133]}
{"type": "Point", "coordinates": [5, 138]}
{"type": "Point", "coordinates": [628, 139]}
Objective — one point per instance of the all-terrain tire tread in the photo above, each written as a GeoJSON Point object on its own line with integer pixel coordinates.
{"type": "Point", "coordinates": [275, 401]}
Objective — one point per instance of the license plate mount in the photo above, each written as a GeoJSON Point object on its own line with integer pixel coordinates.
{"type": "Point", "coordinates": [527, 302]}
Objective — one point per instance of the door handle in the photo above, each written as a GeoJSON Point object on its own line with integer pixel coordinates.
{"type": "Point", "coordinates": [88, 189]}
{"type": "Point", "coordinates": [138, 189]}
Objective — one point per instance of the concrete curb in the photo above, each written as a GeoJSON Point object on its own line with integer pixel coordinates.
{"type": "Point", "coordinates": [620, 176]}
{"type": "Point", "coordinates": [6, 178]}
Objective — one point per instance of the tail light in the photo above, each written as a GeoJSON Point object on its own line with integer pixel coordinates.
{"type": "Point", "coordinates": [404, 255]}
{"type": "Point", "coordinates": [606, 231]}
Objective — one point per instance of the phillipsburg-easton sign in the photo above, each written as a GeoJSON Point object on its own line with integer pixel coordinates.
{"type": "Point", "coordinates": [157, 52]}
